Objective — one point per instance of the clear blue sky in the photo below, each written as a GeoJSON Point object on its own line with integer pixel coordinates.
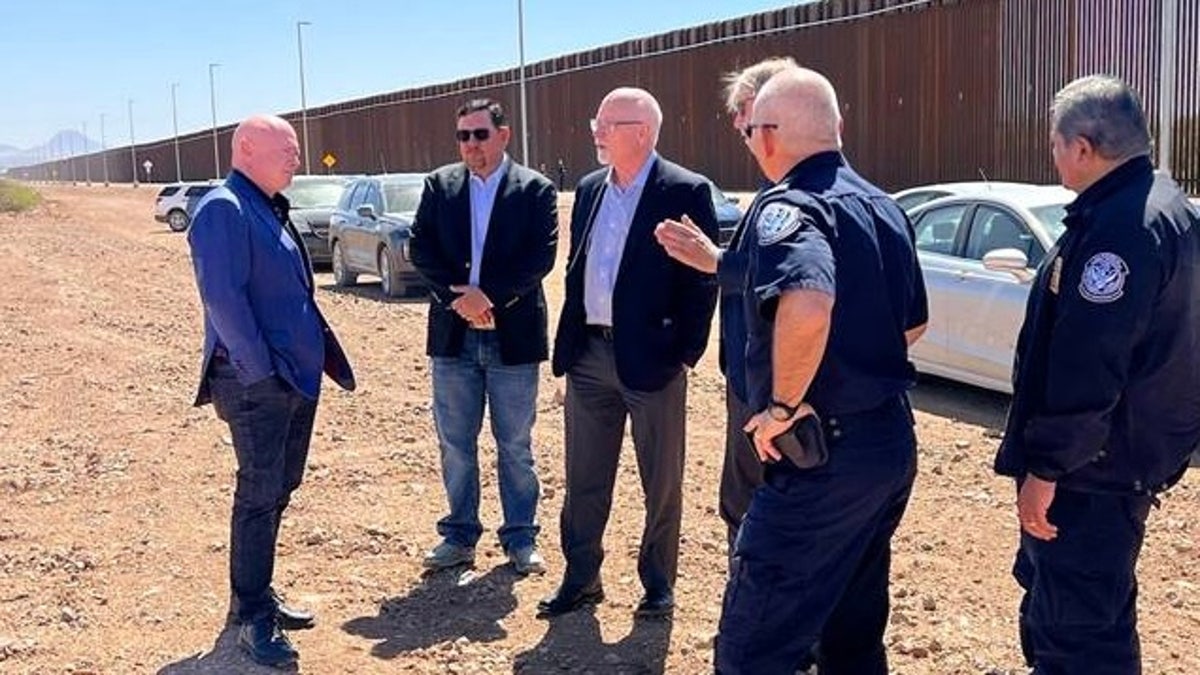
{"type": "Point", "coordinates": [64, 62]}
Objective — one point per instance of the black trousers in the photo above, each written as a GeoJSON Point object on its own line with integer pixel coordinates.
{"type": "Point", "coordinates": [742, 471]}
{"type": "Point", "coordinates": [597, 406]}
{"type": "Point", "coordinates": [1079, 612]}
{"type": "Point", "coordinates": [271, 425]}
{"type": "Point", "coordinates": [814, 553]}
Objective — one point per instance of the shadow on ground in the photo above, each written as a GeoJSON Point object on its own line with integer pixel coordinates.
{"type": "Point", "coordinates": [961, 402]}
{"type": "Point", "coordinates": [448, 605]}
{"type": "Point", "coordinates": [225, 657]}
{"type": "Point", "coordinates": [574, 644]}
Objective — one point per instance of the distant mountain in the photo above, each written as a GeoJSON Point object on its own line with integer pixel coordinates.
{"type": "Point", "coordinates": [61, 145]}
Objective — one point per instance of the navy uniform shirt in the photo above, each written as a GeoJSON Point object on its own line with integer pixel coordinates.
{"type": "Point", "coordinates": [1107, 374]}
{"type": "Point", "coordinates": [825, 228]}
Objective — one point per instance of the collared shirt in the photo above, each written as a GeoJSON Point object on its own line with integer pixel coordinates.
{"type": "Point", "coordinates": [825, 228]}
{"type": "Point", "coordinates": [1108, 359]}
{"type": "Point", "coordinates": [281, 208]}
{"type": "Point", "coordinates": [483, 196]}
{"type": "Point", "coordinates": [606, 242]}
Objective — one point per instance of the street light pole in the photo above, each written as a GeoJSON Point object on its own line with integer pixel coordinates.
{"type": "Point", "coordinates": [87, 157]}
{"type": "Point", "coordinates": [303, 98]}
{"type": "Point", "coordinates": [524, 107]}
{"type": "Point", "coordinates": [132, 147]}
{"type": "Point", "coordinates": [103, 151]}
{"type": "Point", "coordinates": [1166, 90]}
{"type": "Point", "coordinates": [212, 94]}
{"type": "Point", "coordinates": [175, 124]}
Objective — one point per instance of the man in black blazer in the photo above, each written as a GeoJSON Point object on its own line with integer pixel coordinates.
{"type": "Point", "coordinates": [484, 236]}
{"type": "Point", "coordinates": [633, 322]}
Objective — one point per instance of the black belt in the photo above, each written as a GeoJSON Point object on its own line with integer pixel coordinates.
{"type": "Point", "coordinates": [603, 332]}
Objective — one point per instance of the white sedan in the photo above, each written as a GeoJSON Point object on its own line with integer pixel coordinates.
{"type": "Point", "coordinates": [979, 249]}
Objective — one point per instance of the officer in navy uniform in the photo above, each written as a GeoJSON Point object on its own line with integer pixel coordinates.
{"type": "Point", "coordinates": [813, 553]}
{"type": "Point", "coordinates": [1106, 405]}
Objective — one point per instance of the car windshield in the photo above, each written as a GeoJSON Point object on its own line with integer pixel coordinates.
{"type": "Point", "coordinates": [314, 194]}
{"type": "Point", "coordinates": [401, 197]}
{"type": "Point", "coordinates": [1051, 216]}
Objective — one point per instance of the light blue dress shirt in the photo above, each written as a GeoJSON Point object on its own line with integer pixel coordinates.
{"type": "Point", "coordinates": [483, 196]}
{"type": "Point", "coordinates": [606, 243]}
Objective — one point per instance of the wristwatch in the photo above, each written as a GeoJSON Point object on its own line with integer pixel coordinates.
{"type": "Point", "coordinates": [780, 411]}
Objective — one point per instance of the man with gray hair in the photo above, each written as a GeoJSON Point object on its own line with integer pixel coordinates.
{"type": "Point", "coordinates": [812, 557]}
{"type": "Point", "coordinates": [741, 471]}
{"type": "Point", "coordinates": [1106, 385]}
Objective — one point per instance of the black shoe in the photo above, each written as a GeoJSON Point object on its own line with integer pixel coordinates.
{"type": "Point", "coordinates": [567, 601]}
{"type": "Point", "coordinates": [655, 605]}
{"type": "Point", "coordinates": [292, 618]}
{"type": "Point", "coordinates": [266, 645]}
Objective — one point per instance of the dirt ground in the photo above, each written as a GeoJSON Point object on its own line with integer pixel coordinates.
{"type": "Point", "coordinates": [115, 497]}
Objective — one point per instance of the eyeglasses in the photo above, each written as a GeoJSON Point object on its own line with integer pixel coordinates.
{"type": "Point", "coordinates": [748, 130]}
{"type": "Point", "coordinates": [464, 135]}
{"type": "Point", "coordinates": [599, 126]}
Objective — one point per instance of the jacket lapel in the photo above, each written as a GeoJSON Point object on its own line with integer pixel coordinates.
{"type": "Point", "coordinates": [266, 218]}
{"type": "Point", "coordinates": [642, 225]}
{"type": "Point", "coordinates": [495, 230]}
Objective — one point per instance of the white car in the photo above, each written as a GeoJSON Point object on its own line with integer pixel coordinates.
{"type": "Point", "coordinates": [176, 203]}
{"type": "Point", "coordinates": [979, 250]}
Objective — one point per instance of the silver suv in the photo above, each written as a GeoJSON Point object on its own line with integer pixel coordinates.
{"type": "Point", "coordinates": [177, 202]}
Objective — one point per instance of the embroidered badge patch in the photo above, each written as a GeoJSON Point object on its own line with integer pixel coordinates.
{"type": "Point", "coordinates": [1103, 278]}
{"type": "Point", "coordinates": [776, 221]}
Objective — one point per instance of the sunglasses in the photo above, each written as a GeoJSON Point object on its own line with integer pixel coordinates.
{"type": "Point", "coordinates": [464, 135]}
{"type": "Point", "coordinates": [748, 130]}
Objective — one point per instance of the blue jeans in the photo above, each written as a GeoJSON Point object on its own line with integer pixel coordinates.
{"type": "Point", "coordinates": [460, 388]}
{"type": "Point", "coordinates": [271, 424]}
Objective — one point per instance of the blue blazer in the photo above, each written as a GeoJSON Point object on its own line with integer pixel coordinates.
{"type": "Point", "coordinates": [256, 287]}
{"type": "Point", "coordinates": [662, 309]}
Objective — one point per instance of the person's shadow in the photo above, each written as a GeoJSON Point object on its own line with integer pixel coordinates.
{"type": "Point", "coordinates": [224, 657]}
{"type": "Point", "coordinates": [574, 644]}
{"type": "Point", "coordinates": [446, 606]}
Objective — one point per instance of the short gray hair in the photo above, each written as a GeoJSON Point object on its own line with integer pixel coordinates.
{"type": "Point", "coordinates": [746, 82]}
{"type": "Point", "coordinates": [1104, 110]}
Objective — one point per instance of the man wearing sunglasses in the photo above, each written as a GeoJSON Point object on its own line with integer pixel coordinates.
{"type": "Point", "coordinates": [484, 236]}
{"type": "Point", "coordinates": [812, 557]}
{"type": "Point", "coordinates": [633, 322]}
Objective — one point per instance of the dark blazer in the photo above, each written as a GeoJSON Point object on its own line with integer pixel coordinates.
{"type": "Point", "coordinates": [255, 283]}
{"type": "Point", "coordinates": [519, 252]}
{"type": "Point", "coordinates": [662, 309]}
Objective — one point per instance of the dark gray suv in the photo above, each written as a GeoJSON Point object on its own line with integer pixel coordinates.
{"type": "Point", "coordinates": [369, 232]}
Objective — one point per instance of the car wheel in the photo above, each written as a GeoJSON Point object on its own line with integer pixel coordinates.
{"type": "Point", "coordinates": [389, 278]}
{"type": "Point", "coordinates": [178, 220]}
{"type": "Point", "coordinates": [342, 276]}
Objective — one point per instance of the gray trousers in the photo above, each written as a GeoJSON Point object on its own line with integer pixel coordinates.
{"type": "Point", "coordinates": [596, 408]}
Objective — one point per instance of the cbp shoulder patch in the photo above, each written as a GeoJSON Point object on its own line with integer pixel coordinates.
{"type": "Point", "coordinates": [776, 221]}
{"type": "Point", "coordinates": [1103, 278]}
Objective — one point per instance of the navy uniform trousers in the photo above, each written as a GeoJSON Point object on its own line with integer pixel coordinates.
{"type": "Point", "coordinates": [1079, 612]}
{"type": "Point", "coordinates": [814, 553]}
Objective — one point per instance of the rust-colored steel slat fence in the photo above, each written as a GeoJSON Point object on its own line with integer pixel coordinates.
{"type": "Point", "coordinates": [931, 90]}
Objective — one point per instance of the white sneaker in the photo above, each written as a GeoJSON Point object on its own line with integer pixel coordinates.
{"type": "Point", "coordinates": [526, 560]}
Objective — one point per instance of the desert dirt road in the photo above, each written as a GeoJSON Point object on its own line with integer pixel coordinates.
{"type": "Point", "coordinates": [115, 497]}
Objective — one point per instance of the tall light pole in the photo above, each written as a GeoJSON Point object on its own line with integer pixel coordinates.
{"type": "Point", "coordinates": [175, 124]}
{"type": "Point", "coordinates": [521, 50]}
{"type": "Point", "coordinates": [303, 99]}
{"type": "Point", "coordinates": [71, 157]}
{"type": "Point", "coordinates": [212, 94]}
{"type": "Point", "coordinates": [103, 151]}
{"type": "Point", "coordinates": [132, 146]}
{"type": "Point", "coordinates": [87, 157]}
{"type": "Point", "coordinates": [1166, 89]}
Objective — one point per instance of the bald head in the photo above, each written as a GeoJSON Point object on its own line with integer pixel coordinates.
{"type": "Point", "coordinates": [805, 107]}
{"type": "Point", "coordinates": [626, 130]}
{"type": "Point", "coordinates": [265, 149]}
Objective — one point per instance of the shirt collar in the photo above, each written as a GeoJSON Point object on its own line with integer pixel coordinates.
{"type": "Point", "coordinates": [1108, 183]}
{"type": "Point", "coordinates": [814, 166]}
{"type": "Point", "coordinates": [494, 177]}
{"type": "Point", "coordinates": [639, 178]}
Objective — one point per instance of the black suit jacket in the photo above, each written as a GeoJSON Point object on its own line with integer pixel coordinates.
{"type": "Point", "coordinates": [662, 309]}
{"type": "Point", "coordinates": [519, 251]}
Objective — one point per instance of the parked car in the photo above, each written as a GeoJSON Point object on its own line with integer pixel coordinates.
{"type": "Point", "coordinates": [913, 197]}
{"type": "Point", "coordinates": [313, 199]}
{"type": "Point", "coordinates": [176, 203]}
{"type": "Point", "coordinates": [370, 229]}
{"type": "Point", "coordinates": [978, 252]}
{"type": "Point", "coordinates": [728, 214]}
